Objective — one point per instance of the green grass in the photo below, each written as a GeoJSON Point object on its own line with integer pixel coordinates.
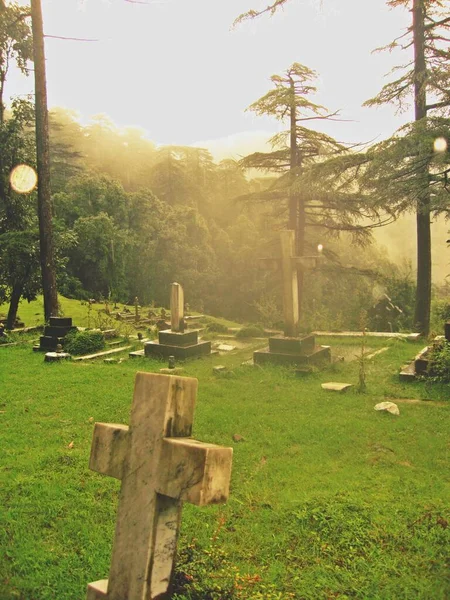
{"type": "Point", "coordinates": [32, 313]}
{"type": "Point", "coordinates": [329, 498]}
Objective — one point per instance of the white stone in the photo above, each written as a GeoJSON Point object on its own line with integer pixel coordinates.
{"type": "Point", "coordinates": [226, 348]}
{"type": "Point", "coordinates": [389, 407]}
{"type": "Point", "coordinates": [333, 386]}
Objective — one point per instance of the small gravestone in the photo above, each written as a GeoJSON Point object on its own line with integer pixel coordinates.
{"type": "Point", "coordinates": [160, 467]}
{"type": "Point", "coordinates": [54, 334]}
{"type": "Point", "coordinates": [176, 341]}
{"type": "Point", "coordinates": [289, 348]}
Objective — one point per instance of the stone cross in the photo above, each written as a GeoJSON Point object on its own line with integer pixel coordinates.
{"type": "Point", "coordinates": [160, 467]}
{"type": "Point", "coordinates": [176, 308]}
{"type": "Point", "coordinates": [289, 263]}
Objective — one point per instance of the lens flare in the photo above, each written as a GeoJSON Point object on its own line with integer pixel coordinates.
{"type": "Point", "coordinates": [440, 144]}
{"type": "Point", "coordinates": [23, 179]}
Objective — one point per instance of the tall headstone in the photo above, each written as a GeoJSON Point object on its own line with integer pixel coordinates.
{"type": "Point", "coordinates": [160, 467]}
{"type": "Point", "coordinates": [176, 341]}
{"type": "Point", "coordinates": [290, 348]}
{"type": "Point", "coordinates": [176, 307]}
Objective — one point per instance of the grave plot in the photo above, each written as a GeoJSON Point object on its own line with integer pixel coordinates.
{"type": "Point", "coordinates": [421, 365]}
{"type": "Point", "coordinates": [290, 349]}
{"type": "Point", "coordinates": [176, 341]}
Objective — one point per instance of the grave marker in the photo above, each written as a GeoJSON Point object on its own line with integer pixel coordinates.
{"type": "Point", "coordinates": [290, 348]}
{"type": "Point", "coordinates": [160, 468]}
{"type": "Point", "coordinates": [176, 341]}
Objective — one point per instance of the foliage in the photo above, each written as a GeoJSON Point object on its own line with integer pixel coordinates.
{"type": "Point", "coordinates": [84, 342]}
{"type": "Point", "coordinates": [217, 327]}
{"type": "Point", "coordinates": [439, 362]}
{"type": "Point", "coordinates": [250, 331]}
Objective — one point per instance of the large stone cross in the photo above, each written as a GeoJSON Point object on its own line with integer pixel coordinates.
{"type": "Point", "coordinates": [289, 263]}
{"type": "Point", "coordinates": [177, 308]}
{"type": "Point", "coordinates": [160, 468]}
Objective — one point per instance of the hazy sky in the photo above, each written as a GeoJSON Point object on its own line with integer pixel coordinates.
{"type": "Point", "coordinates": [176, 68]}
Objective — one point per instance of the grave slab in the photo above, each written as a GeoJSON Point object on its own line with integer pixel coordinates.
{"type": "Point", "coordinates": [334, 386]}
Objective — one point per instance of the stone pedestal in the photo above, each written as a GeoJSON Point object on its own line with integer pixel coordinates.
{"type": "Point", "coordinates": [181, 345]}
{"type": "Point", "coordinates": [293, 351]}
{"type": "Point", "coordinates": [54, 334]}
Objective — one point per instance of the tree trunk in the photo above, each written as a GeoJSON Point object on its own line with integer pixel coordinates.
{"type": "Point", "coordinates": [13, 305]}
{"type": "Point", "coordinates": [293, 198]}
{"type": "Point", "coordinates": [296, 204]}
{"type": "Point", "coordinates": [43, 166]}
{"type": "Point", "coordinates": [423, 292]}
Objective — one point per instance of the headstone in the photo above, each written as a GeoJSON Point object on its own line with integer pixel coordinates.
{"type": "Point", "coordinates": [176, 307]}
{"type": "Point", "coordinates": [136, 310]}
{"type": "Point", "coordinates": [54, 334]}
{"type": "Point", "coordinates": [289, 348]}
{"type": "Point", "coordinates": [176, 341]}
{"type": "Point", "coordinates": [160, 467]}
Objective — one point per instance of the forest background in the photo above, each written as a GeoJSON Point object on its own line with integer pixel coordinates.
{"type": "Point", "coordinates": [132, 216]}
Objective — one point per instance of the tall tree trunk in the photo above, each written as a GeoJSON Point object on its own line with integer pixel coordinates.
{"type": "Point", "coordinates": [296, 204]}
{"type": "Point", "coordinates": [423, 292]}
{"type": "Point", "coordinates": [14, 305]}
{"type": "Point", "coordinates": [293, 197]}
{"type": "Point", "coordinates": [43, 166]}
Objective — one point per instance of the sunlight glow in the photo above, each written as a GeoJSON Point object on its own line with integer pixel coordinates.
{"type": "Point", "coordinates": [23, 179]}
{"type": "Point", "coordinates": [320, 247]}
{"type": "Point", "coordinates": [440, 144]}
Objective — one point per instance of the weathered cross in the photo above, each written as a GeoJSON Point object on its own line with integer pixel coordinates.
{"type": "Point", "coordinates": [177, 308]}
{"type": "Point", "coordinates": [289, 264]}
{"type": "Point", "coordinates": [160, 468]}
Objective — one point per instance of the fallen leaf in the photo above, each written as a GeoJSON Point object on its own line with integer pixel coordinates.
{"type": "Point", "coordinates": [71, 445]}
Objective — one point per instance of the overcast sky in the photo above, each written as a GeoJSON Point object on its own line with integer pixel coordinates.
{"type": "Point", "coordinates": [177, 69]}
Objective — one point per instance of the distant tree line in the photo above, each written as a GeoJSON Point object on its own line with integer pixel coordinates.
{"type": "Point", "coordinates": [130, 217]}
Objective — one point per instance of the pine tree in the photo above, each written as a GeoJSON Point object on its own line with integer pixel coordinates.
{"type": "Point", "coordinates": [294, 150]}
{"type": "Point", "coordinates": [43, 166]}
{"type": "Point", "coordinates": [418, 177]}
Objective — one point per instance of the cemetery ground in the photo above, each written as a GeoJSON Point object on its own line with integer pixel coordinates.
{"type": "Point", "coordinates": [329, 498]}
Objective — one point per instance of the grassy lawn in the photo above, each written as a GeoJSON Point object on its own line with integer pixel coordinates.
{"type": "Point", "coordinates": [329, 498]}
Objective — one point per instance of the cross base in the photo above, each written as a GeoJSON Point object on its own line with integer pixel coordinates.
{"type": "Point", "coordinates": [292, 351]}
{"type": "Point", "coordinates": [156, 349]}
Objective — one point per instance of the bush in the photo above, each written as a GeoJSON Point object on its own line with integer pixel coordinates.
{"type": "Point", "coordinates": [84, 342]}
{"type": "Point", "coordinates": [439, 362]}
{"type": "Point", "coordinates": [216, 327]}
{"type": "Point", "coordinates": [250, 331]}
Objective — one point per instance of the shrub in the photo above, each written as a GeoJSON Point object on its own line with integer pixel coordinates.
{"type": "Point", "coordinates": [250, 331]}
{"type": "Point", "coordinates": [216, 327]}
{"type": "Point", "coordinates": [439, 362]}
{"type": "Point", "coordinates": [84, 342]}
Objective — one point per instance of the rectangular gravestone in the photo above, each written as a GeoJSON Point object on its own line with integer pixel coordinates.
{"type": "Point", "coordinates": [160, 467]}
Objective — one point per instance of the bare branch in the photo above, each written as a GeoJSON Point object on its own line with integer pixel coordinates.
{"type": "Point", "coordinates": [61, 37]}
{"type": "Point", "coordinates": [252, 14]}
